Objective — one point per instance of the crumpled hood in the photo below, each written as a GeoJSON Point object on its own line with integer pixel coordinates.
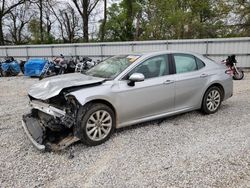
{"type": "Point", "coordinates": [52, 86]}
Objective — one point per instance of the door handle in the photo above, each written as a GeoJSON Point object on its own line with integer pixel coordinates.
{"type": "Point", "coordinates": [168, 82]}
{"type": "Point", "coordinates": [203, 75]}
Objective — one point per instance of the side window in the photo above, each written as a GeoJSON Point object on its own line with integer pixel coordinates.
{"type": "Point", "coordinates": [184, 63]}
{"type": "Point", "coordinates": [200, 63]}
{"type": "Point", "coordinates": [153, 67]}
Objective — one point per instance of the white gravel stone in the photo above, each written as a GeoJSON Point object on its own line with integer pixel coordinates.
{"type": "Point", "coordinates": [188, 150]}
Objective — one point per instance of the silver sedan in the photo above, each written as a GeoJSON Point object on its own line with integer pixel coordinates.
{"type": "Point", "coordinates": [122, 91]}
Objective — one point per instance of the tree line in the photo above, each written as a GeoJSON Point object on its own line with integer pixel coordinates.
{"type": "Point", "coordinates": [72, 21]}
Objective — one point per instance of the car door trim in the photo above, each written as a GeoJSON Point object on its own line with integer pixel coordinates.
{"type": "Point", "coordinates": [156, 116]}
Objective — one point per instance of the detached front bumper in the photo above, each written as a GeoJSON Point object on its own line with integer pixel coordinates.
{"type": "Point", "coordinates": [34, 131]}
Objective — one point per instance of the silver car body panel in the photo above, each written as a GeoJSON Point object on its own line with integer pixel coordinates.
{"type": "Point", "coordinates": [52, 86]}
{"type": "Point", "coordinates": [48, 109]}
{"type": "Point", "coordinates": [151, 99]}
{"type": "Point", "coordinates": [40, 147]}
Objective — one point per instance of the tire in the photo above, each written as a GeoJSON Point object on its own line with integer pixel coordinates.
{"type": "Point", "coordinates": [238, 76]}
{"type": "Point", "coordinates": [92, 131]}
{"type": "Point", "coordinates": [212, 100]}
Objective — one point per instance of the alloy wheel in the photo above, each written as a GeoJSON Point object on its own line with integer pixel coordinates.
{"type": "Point", "coordinates": [99, 125]}
{"type": "Point", "coordinates": [213, 100]}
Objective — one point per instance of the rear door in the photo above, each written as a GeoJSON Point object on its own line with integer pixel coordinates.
{"type": "Point", "coordinates": [190, 79]}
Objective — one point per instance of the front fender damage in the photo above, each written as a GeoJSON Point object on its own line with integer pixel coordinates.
{"type": "Point", "coordinates": [50, 128]}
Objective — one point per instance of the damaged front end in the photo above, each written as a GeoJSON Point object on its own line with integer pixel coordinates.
{"type": "Point", "coordinates": [51, 125]}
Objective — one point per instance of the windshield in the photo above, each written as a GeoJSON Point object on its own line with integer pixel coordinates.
{"type": "Point", "coordinates": [112, 67]}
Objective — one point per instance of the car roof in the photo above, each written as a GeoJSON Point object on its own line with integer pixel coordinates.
{"type": "Point", "coordinates": [145, 54]}
{"type": "Point", "coordinates": [162, 52]}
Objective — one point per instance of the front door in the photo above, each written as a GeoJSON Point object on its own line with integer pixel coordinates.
{"type": "Point", "coordinates": [153, 96]}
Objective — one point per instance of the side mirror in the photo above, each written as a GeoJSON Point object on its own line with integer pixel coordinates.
{"type": "Point", "coordinates": [136, 77]}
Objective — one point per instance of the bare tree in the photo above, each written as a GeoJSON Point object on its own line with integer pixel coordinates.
{"type": "Point", "coordinates": [129, 20]}
{"type": "Point", "coordinates": [58, 18]}
{"type": "Point", "coordinates": [43, 8]}
{"type": "Point", "coordinates": [18, 18]}
{"type": "Point", "coordinates": [40, 7]}
{"type": "Point", "coordinates": [69, 22]}
{"type": "Point", "coordinates": [85, 8]}
{"type": "Point", "coordinates": [104, 20]}
{"type": "Point", "coordinates": [5, 9]}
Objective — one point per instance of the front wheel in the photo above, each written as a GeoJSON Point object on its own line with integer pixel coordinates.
{"type": "Point", "coordinates": [97, 123]}
{"type": "Point", "coordinates": [238, 76]}
{"type": "Point", "coordinates": [211, 100]}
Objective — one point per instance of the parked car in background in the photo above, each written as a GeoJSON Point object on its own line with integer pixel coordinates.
{"type": "Point", "coordinates": [122, 91]}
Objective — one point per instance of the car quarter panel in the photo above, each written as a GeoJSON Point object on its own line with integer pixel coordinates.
{"type": "Point", "coordinates": [191, 86]}
{"type": "Point", "coordinates": [219, 77]}
{"type": "Point", "coordinates": [225, 81]}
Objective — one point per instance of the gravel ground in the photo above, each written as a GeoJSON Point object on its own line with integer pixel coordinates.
{"type": "Point", "coordinates": [189, 150]}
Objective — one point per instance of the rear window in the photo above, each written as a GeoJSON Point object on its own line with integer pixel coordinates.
{"type": "Point", "coordinates": [184, 63]}
{"type": "Point", "coordinates": [200, 63]}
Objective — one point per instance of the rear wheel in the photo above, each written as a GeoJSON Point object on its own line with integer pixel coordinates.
{"type": "Point", "coordinates": [212, 100]}
{"type": "Point", "coordinates": [97, 123]}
